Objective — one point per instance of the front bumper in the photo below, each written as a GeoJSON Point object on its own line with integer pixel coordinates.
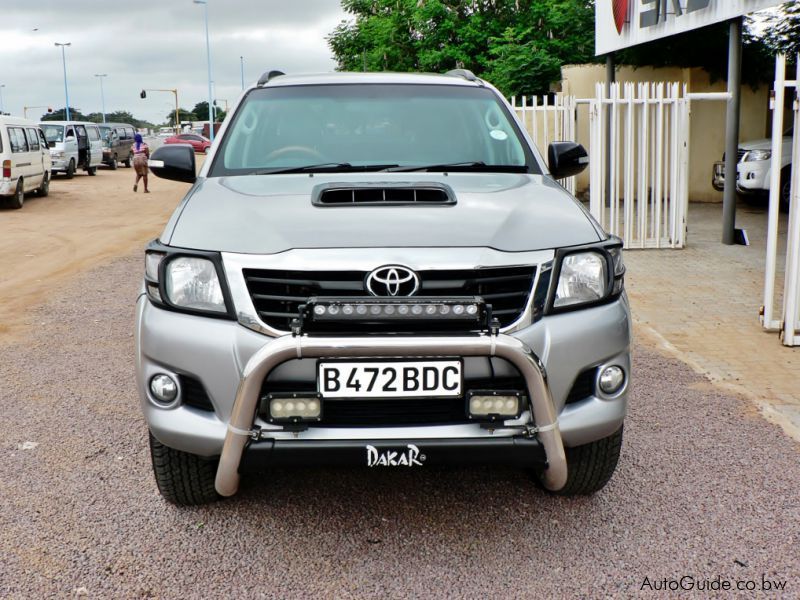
{"type": "Point", "coordinates": [217, 353]}
{"type": "Point", "coordinates": [752, 177]}
{"type": "Point", "coordinates": [280, 350]}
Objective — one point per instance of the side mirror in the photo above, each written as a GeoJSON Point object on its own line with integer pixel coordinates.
{"type": "Point", "coordinates": [175, 161]}
{"type": "Point", "coordinates": [566, 159]}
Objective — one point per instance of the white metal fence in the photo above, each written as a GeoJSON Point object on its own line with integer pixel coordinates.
{"type": "Point", "coordinates": [638, 183]}
{"type": "Point", "coordinates": [642, 193]}
{"type": "Point", "coordinates": [548, 121]}
{"type": "Point", "coordinates": [788, 319]}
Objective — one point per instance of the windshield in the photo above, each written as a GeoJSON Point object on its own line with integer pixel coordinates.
{"type": "Point", "coordinates": [105, 133]}
{"type": "Point", "coordinates": [53, 133]}
{"type": "Point", "coordinates": [334, 127]}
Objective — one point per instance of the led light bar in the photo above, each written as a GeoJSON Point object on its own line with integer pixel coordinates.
{"type": "Point", "coordinates": [493, 405]}
{"type": "Point", "coordinates": [292, 407]}
{"type": "Point", "coordinates": [368, 309]}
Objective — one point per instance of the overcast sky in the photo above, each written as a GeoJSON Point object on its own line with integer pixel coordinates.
{"type": "Point", "coordinates": [153, 44]}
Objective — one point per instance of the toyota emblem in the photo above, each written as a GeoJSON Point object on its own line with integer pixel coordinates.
{"type": "Point", "coordinates": [392, 280]}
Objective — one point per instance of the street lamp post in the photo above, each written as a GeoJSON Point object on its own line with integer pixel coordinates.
{"type": "Point", "coordinates": [102, 95]}
{"type": "Point", "coordinates": [241, 64]}
{"type": "Point", "coordinates": [2, 85]}
{"type": "Point", "coordinates": [64, 62]}
{"type": "Point", "coordinates": [208, 56]}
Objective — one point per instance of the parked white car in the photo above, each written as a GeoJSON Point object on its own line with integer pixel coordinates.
{"type": "Point", "coordinates": [73, 145]}
{"type": "Point", "coordinates": [25, 160]}
{"type": "Point", "coordinates": [755, 169]}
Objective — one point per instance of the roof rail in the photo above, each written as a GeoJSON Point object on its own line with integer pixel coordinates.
{"type": "Point", "coordinates": [463, 73]}
{"type": "Point", "coordinates": [268, 75]}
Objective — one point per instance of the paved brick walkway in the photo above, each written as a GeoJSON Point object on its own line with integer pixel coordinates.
{"type": "Point", "coordinates": [702, 303]}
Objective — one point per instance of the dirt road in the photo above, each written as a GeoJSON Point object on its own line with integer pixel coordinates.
{"type": "Point", "coordinates": [84, 222]}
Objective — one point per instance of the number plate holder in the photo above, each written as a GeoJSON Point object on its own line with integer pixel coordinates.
{"type": "Point", "coordinates": [390, 378]}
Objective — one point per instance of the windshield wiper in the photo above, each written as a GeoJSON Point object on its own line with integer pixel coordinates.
{"type": "Point", "coordinates": [474, 165]}
{"type": "Point", "coordinates": [324, 168]}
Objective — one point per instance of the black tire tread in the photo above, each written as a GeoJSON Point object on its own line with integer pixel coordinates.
{"type": "Point", "coordinates": [182, 478]}
{"type": "Point", "coordinates": [18, 199]}
{"type": "Point", "coordinates": [591, 466]}
{"type": "Point", "coordinates": [44, 189]}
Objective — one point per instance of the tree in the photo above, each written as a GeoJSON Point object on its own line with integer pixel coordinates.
{"type": "Point", "coordinates": [519, 45]}
{"type": "Point", "coordinates": [784, 33]}
{"type": "Point", "coordinates": [75, 114]}
{"type": "Point", "coordinates": [201, 112]}
{"type": "Point", "coordinates": [185, 115]}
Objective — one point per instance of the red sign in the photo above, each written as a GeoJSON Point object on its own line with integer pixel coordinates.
{"type": "Point", "coordinates": [620, 13]}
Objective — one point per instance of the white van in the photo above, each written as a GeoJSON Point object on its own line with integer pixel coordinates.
{"type": "Point", "coordinates": [73, 145]}
{"type": "Point", "coordinates": [25, 160]}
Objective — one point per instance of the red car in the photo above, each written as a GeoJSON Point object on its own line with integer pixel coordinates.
{"type": "Point", "coordinates": [198, 142]}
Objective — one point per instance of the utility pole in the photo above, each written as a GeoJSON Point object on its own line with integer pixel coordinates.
{"type": "Point", "coordinates": [102, 95]}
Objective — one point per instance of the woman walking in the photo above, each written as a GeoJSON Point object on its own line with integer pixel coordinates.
{"type": "Point", "coordinates": [141, 153]}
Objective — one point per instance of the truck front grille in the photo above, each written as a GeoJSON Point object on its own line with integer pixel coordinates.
{"type": "Point", "coordinates": [277, 295]}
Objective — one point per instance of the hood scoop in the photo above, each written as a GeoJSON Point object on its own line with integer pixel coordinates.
{"type": "Point", "coordinates": [383, 194]}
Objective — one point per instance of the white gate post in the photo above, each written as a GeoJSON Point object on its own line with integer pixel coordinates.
{"type": "Point", "coordinates": [767, 318]}
{"type": "Point", "coordinates": [791, 294]}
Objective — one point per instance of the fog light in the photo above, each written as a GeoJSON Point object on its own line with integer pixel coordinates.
{"type": "Point", "coordinates": [490, 404]}
{"type": "Point", "coordinates": [164, 388]}
{"type": "Point", "coordinates": [294, 407]}
{"type": "Point", "coordinates": [612, 379]}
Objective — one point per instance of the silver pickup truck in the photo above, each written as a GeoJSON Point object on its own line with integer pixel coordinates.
{"type": "Point", "coordinates": [379, 270]}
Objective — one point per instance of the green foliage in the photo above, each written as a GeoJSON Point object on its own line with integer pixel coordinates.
{"type": "Point", "coordinates": [75, 114]}
{"type": "Point", "coordinates": [518, 45]}
{"type": "Point", "coordinates": [783, 34]}
{"type": "Point", "coordinates": [185, 115]}
{"type": "Point", "coordinates": [200, 110]}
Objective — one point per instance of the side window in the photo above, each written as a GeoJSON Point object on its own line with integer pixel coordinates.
{"type": "Point", "coordinates": [33, 139]}
{"type": "Point", "coordinates": [16, 136]}
{"type": "Point", "coordinates": [121, 134]}
{"type": "Point", "coordinates": [129, 132]}
{"type": "Point", "coordinates": [70, 133]}
{"type": "Point", "coordinates": [94, 134]}
{"type": "Point", "coordinates": [42, 139]}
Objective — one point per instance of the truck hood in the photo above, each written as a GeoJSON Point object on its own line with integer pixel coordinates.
{"type": "Point", "coordinates": [271, 214]}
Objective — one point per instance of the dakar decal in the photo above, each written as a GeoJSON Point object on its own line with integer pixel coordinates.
{"type": "Point", "coordinates": [394, 458]}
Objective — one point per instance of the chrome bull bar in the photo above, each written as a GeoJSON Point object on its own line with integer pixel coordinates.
{"type": "Point", "coordinates": [288, 347]}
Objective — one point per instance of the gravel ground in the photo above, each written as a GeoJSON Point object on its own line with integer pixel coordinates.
{"type": "Point", "coordinates": [705, 488]}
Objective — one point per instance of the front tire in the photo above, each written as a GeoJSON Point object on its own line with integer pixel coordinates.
{"type": "Point", "coordinates": [786, 188]}
{"type": "Point", "coordinates": [92, 171]}
{"type": "Point", "coordinates": [182, 478]}
{"type": "Point", "coordinates": [590, 467]}
{"type": "Point", "coordinates": [113, 163]}
{"type": "Point", "coordinates": [70, 172]}
{"type": "Point", "coordinates": [128, 161]}
{"type": "Point", "coordinates": [18, 199]}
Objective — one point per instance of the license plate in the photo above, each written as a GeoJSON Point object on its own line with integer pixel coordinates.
{"type": "Point", "coordinates": [389, 379]}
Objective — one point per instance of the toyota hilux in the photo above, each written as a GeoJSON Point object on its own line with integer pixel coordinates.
{"type": "Point", "coordinates": [379, 270]}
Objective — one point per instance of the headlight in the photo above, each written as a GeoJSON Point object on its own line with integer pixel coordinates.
{"type": "Point", "coordinates": [193, 283]}
{"type": "Point", "coordinates": [57, 153]}
{"type": "Point", "coordinates": [583, 279]}
{"type": "Point", "coordinates": [754, 155]}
